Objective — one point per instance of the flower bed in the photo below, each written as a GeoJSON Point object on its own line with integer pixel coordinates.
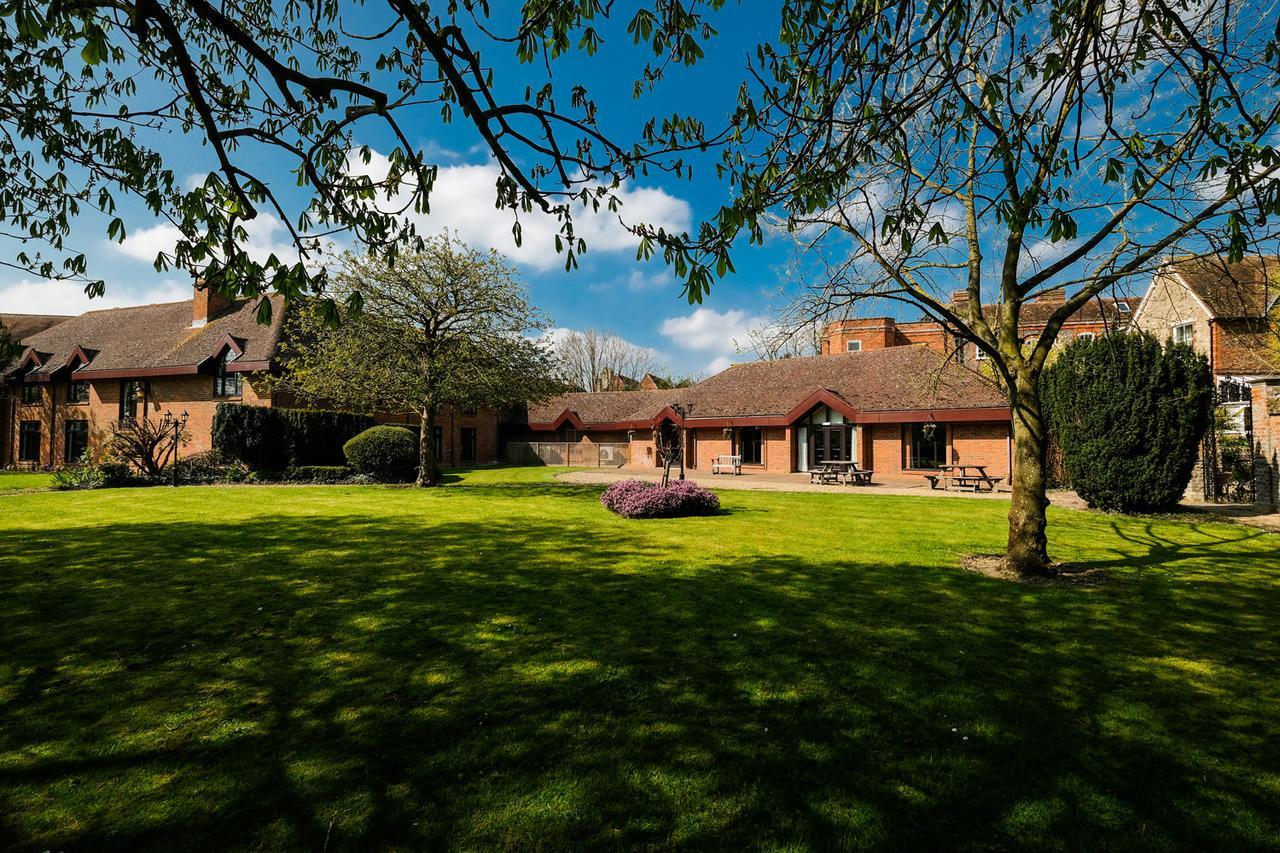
{"type": "Point", "coordinates": [638, 499]}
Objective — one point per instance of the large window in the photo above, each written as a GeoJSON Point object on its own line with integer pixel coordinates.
{"type": "Point", "coordinates": [30, 394]}
{"type": "Point", "coordinates": [226, 384]}
{"type": "Point", "coordinates": [78, 392]}
{"type": "Point", "coordinates": [1183, 334]}
{"type": "Point", "coordinates": [927, 446]}
{"type": "Point", "coordinates": [751, 445]}
{"type": "Point", "coordinates": [76, 440]}
{"type": "Point", "coordinates": [467, 451]}
{"type": "Point", "coordinates": [29, 441]}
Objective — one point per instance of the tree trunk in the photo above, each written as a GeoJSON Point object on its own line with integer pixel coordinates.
{"type": "Point", "coordinates": [1028, 549]}
{"type": "Point", "coordinates": [428, 468]}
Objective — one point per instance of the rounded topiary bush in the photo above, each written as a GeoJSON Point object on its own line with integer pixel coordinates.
{"type": "Point", "coordinates": [1128, 413]}
{"type": "Point", "coordinates": [638, 499]}
{"type": "Point", "coordinates": [388, 453]}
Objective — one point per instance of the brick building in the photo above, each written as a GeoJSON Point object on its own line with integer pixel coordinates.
{"type": "Point", "coordinates": [76, 376]}
{"type": "Point", "coordinates": [899, 411]}
{"type": "Point", "coordinates": [1097, 317]}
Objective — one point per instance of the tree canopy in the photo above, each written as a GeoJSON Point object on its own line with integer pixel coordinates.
{"type": "Point", "coordinates": [94, 88]}
{"type": "Point", "coordinates": [449, 327]}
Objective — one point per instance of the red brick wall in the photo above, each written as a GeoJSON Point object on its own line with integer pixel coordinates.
{"type": "Point", "coordinates": [190, 394]}
{"type": "Point", "coordinates": [483, 421]}
{"type": "Point", "coordinates": [884, 447]}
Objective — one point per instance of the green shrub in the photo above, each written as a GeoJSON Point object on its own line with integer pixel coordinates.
{"type": "Point", "coordinates": [1129, 414]}
{"type": "Point", "coordinates": [202, 469]}
{"type": "Point", "coordinates": [275, 439]}
{"type": "Point", "coordinates": [320, 474]}
{"type": "Point", "coordinates": [79, 476]}
{"type": "Point", "coordinates": [387, 453]}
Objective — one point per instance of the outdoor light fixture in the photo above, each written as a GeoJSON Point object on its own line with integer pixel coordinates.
{"type": "Point", "coordinates": [728, 431]}
{"type": "Point", "coordinates": [176, 426]}
{"type": "Point", "coordinates": [929, 429]}
{"type": "Point", "coordinates": [631, 435]}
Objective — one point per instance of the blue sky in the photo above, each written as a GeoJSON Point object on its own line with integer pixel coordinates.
{"type": "Point", "coordinates": [610, 290]}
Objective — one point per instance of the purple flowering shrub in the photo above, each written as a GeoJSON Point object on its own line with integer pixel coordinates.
{"type": "Point", "coordinates": [638, 499]}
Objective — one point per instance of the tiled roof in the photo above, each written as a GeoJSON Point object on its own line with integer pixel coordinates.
{"type": "Point", "coordinates": [892, 379]}
{"type": "Point", "coordinates": [1244, 290]}
{"type": "Point", "coordinates": [147, 337]}
{"type": "Point", "coordinates": [23, 326]}
{"type": "Point", "coordinates": [605, 406]}
{"type": "Point", "coordinates": [1099, 310]}
{"type": "Point", "coordinates": [905, 378]}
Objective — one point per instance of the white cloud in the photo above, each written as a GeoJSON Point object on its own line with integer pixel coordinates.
{"type": "Point", "coordinates": [266, 235]}
{"type": "Point", "coordinates": [62, 297]}
{"type": "Point", "coordinates": [710, 330]}
{"type": "Point", "coordinates": [1040, 253]}
{"type": "Point", "coordinates": [638, 281]}
{"type": "Point", "coordinates": [462, 200]}
{"type": "Point", "coordinates": [717, 364]}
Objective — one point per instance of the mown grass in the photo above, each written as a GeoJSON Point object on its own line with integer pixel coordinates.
{"type": "Point", "coordinates": [15, 480]}
{"type": "Point", "coordinates": [501, 663]}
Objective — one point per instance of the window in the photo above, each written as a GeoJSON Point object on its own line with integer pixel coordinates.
{"type": "Point", "coordinates": [853, 346]}
{"type": "Point", "coordinates": [30, 395]}
{"type": "Point", "coordinates": [467, 452]}
{"type": "Point", "coordinates": [751, 445]}
{"type": "Point", "coordinates": [1183, 334]}
{"type": "Point", "coordinates": [437, 442]}
{"type": "Point", "coordinates": [132, 391]}
{"type": "Point", "coordinates": [226, 384]}
{"type": "Point", "coordinates": [1123, 307]}
{"type": "Point", "coordinates": [29, 441]}
{"type": "Point", "coordinates": [78, 392]}
{"type": "Point", "coordinates": [979, 353]}
{"type": "Point", "coordinates": [1086, 336]}
{"type": "Point", "coordinates": [927, 446]}
{"type": "Point", "coordinates": [75, 440]}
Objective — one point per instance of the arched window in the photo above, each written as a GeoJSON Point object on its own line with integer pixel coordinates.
{"type": "Point", "coordinates": [226, 383]}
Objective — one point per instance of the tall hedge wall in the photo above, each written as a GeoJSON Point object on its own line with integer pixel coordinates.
{"type": "Point", "coordinates": [275, 439]}
{"type": "Point", "coordinates": [1129, 413]}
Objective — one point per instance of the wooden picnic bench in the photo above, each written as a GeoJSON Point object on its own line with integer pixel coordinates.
{"type": "Point", "coordinates": [965, 478]}
{"type": "Point", "coordinates": [726, 463]}
{"type": "Point", "coordinates": [840, 472]}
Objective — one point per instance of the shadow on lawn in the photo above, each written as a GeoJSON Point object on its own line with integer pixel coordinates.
{"type": "Point", "coordinates": [286, 683]}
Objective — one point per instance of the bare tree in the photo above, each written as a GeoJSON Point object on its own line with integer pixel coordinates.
{"type": "Point", "coordinates": [1013, 151]}
{"type": "Point", "coordinates": [591, 359]}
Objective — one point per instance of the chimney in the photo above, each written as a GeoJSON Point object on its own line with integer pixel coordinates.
{"type": "Point", "coordinates": [1058, 296]}
{"type": "Point", "coordinates": [207, 304]}
{"type": "Point", "coordinates": [959, 297]}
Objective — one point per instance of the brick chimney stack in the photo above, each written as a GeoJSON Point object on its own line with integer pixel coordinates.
{"type": "Point", "coordinates": [960, 297]}
{"type": "Point", "coordinates": [1053, 297]}
{"type": "Point", "coordinates": [207, 304]}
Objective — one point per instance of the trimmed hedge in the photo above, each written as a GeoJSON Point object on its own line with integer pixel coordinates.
{"type": "Point", "coordinates": [1129, 413]}
{"type": "Point", "coordinates": [275, 439]}
{"type": "Point", "coordinates": [638, 499]}
{"type": "Point", "coordinates": [388, 453]}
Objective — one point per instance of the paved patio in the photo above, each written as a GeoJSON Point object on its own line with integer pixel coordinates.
{"type": "Point", "coordinates": [775, 483]}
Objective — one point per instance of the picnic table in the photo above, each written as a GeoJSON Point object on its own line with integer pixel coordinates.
{"type": "Point", "coordinates": [840, 471]}
{"type": "Point", "coordinates": [965, 478]}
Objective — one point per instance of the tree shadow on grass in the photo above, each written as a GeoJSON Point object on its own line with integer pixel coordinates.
{"type": "Point", "coordinates": [382, 682]}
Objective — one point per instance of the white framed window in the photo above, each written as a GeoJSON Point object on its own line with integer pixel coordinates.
{"type": "Point", "coordinates": [853, 346]}
{"type": "Point", "coordinates": [1086, 336]}
{"type": "Point", "coordinates": [1123, 307]}
{"type": "Point", "coordinates": [1183, 334]}
{"type": "Point", "coordinates": [980, 354]}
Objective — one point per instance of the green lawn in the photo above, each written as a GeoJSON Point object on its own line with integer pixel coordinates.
{"type": "Point", "coordinates": [501, 663]}
{"type": "Point", "coordinates": [12, 480]}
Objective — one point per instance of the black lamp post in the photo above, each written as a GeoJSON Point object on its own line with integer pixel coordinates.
{"type": "Point", "coordinates": [176, 426]}
{"type": "Point", "coordinates": [683, 411]}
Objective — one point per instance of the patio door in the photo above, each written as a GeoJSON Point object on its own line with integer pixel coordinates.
{"type": "Point", "coordinates": [830, 444]}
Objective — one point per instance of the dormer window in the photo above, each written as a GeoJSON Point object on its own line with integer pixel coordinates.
{"type": "Point", "coordinates": [1123, 307]}
{"type": "Point", "coordinates": [226, 383]}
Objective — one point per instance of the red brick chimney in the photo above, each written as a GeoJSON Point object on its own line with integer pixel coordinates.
{"type": "Point", "coordinates": [207, 304]}
{"type": "Point", "coordinates": [1053, 297]}
{"type": "Point", "coordinates": [959, 297]}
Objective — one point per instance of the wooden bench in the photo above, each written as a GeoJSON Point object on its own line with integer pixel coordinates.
{"type": "Point", "coordinates": [725, 464]}
{"type": "Point", "coordinates": [858, 477]}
